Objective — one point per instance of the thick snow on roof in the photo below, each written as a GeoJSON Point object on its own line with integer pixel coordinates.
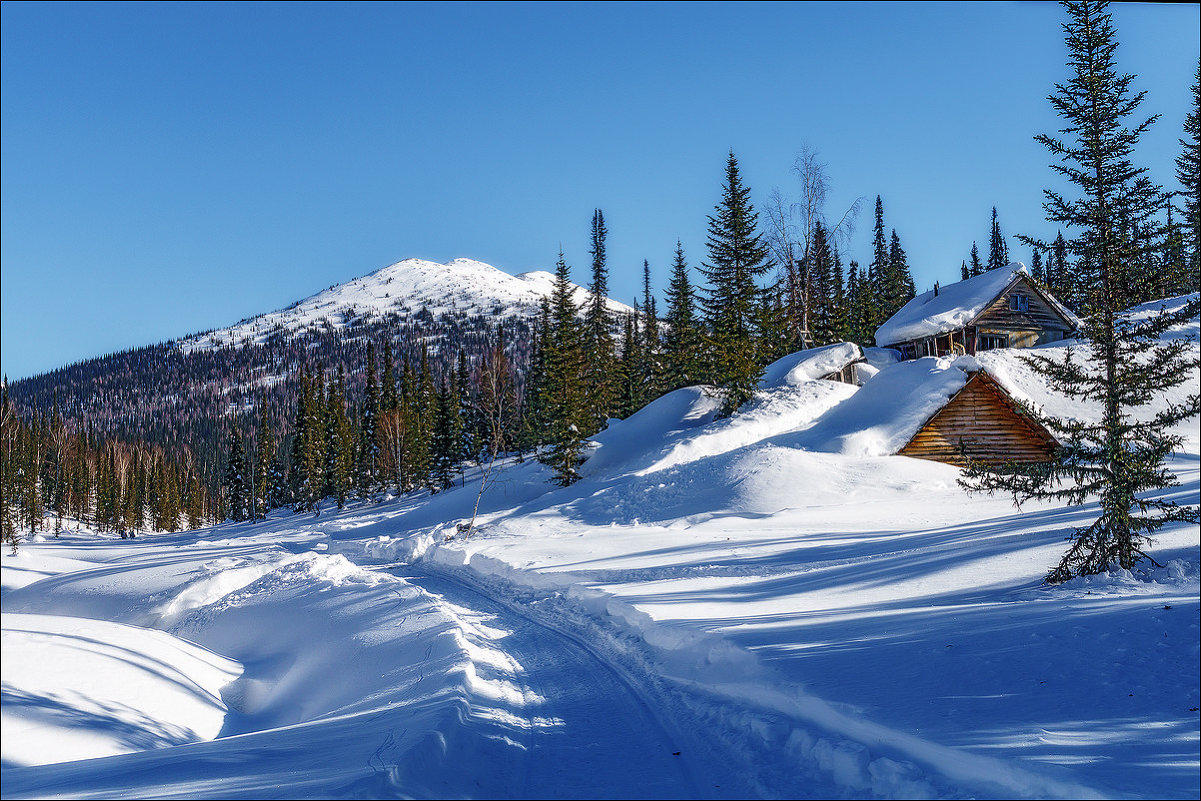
{"type": "Point", "coordinates": [953, 307]}
{"type": "Point", "coordinates": [889, 409]}
{"type": "Point", "coordinates": [809, 365]}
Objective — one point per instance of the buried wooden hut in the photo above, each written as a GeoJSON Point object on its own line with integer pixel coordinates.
{"type": "Point", "coordinates": [983, 422]}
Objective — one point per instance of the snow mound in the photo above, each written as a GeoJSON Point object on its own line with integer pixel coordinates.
{"type": "Point", "coordinates": [79, 689]}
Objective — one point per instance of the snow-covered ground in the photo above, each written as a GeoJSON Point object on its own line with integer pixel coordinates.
{"type": "Point", "coordinates": [716, 610]}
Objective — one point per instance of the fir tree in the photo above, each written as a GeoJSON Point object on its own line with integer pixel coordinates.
{"type": "Point", "coordinates": [235, 478]}
{"type": "Point", "coordinates": [900, 284]}
{"type": "Point", "coordinates": [683, 343]}
{"type": "Point", "coordinates": [1188, 173]}
{"type": "Point", "coordinates": [737, 256]}
{"type": "Point", "coordinates": [998, 250]}
{"type": "Point", "coordinates": [975, 267]}
{"type": "Point", "coordinates": [1119, 460]}
{"type": "Point", "coordinates": [368, 481]}
{"type": "Point", "coordinates": [651, 369]}
{"type": "Point", "coordinates": [444, 441]}
{"type": "Point", "coordinates": [565, 403]}
{"type": "Point", "coordinates": [878, 273]}
{"type": "Point", "coordinates": [265, 469]}
{"type": "Point", "coordinates": [598, 332]}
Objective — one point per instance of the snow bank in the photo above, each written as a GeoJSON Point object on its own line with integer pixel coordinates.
{"type": "Point", "coordinates": [79, 689]}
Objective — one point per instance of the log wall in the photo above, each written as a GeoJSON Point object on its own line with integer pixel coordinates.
{"type": "Point", "coordinates": [982, 416]}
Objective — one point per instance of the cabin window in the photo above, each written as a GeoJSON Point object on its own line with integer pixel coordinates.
{"type": "Point", "coordinates": [991, 341]}
{"type": "Point", "coordinates": [1019, 303]}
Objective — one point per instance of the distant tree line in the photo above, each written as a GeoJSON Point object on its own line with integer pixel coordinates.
{"type": "Point", "coordinates": [52, 466]}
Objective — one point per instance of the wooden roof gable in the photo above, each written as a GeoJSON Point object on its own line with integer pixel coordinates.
{"type": "Point", "coordinates": [984, 418]}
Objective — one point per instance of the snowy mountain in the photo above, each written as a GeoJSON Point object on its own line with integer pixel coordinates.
{"type": "Point", "coordinates": [461, 288]}
{"type": "Point", "coordinates": [719, 608]}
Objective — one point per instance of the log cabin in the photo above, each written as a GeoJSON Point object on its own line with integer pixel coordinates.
{"type": "Point", "coordinates": [983, 422]}
{"type": "Point", "coordinates": [1001, 308]}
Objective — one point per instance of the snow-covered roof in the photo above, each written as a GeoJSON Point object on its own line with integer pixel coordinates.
{"type": "Point", "coordinates": [810, 365]}
{"type": "Point", "coordinates": [880, 418]}
{"type": "Point", "coordinates": [955, 306]}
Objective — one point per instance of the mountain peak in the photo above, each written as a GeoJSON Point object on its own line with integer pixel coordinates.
{"type": "Point", "coordinates": [461, 287]}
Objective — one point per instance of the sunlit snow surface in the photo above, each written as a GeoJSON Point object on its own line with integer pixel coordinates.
{"type": "Point", "coordinates": [716, 610]}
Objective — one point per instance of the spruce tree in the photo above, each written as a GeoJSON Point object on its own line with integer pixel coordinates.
{"type": "Point", "coordinates": [683, 343]}
{"type": "Point", "coordinates": [235, 478]}
{"type": "Point", "coordinates": [975, 267]}
{"type": "Point", "coordinates": [1188, 173]}
{"type": "Point", "coordinates": [368, 479]}
{"type": "Point", "coordinates": [598, 332]}
{"type": "Point", "coordinates": [1123, 365]}
{"type": "Point", "coordinates": [998, 250]}
{"type": "Point", "coordinates": [737, 257]}
{"type": "Point", "coordinates": [265, 470]}
{"type": "Point", "coordinates": [878, 273]}
{"type": "Point", "coordinates": [565, 402]}
{"type": "Point", "coordinates": [444, 439]}
{"type": "Point", "coordinates": [651, 368]}
{"type": "Point", "coordinates": [900, 281]}
{"type": "Point", "coordinates": [629, 366]}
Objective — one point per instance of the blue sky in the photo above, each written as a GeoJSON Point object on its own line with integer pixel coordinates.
{"type": "Point", "coordinates": [166, 169]}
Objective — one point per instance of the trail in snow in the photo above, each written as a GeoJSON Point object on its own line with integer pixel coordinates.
{"type": "Point", "coordinates": [604, 717]}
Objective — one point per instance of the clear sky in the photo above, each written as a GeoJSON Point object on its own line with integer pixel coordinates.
{"type": "Point", "coordinates": [173, 168]}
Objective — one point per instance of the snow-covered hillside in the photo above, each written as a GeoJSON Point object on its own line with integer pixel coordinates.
{"type": "Point", "coordinates": [462, 287]}
{"type": "Point", "coordinates": [718, 609]}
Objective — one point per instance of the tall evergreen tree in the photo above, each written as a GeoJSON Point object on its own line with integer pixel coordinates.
{"type": "Point", "coordinates": [598, 332]}
{"type": "Point", "coordinates": [652, 348]}
{"type": "Point", "coordinates": [737, 257]}
{"type": "Point", "coordinates": [878, 272]}
{"type": "Point", "coordinates": [236, 494]}
{"type": "Point", "coordinates": [1188, 173]}
{"type": "Point", "coordinates": [682, 344]}
{"type": "Point", "coordinates": [974, 266]}
{"type": "Point", "coordinates": [998, 250]}
{"type": "Point", "coordinates": [565, 403]}
{"type": "Point", "coordinates": [368, 479]}
{"type": "Point", "coordinates": [1119, 460]}
{"type": "Point", "coordinates": [901, 288]}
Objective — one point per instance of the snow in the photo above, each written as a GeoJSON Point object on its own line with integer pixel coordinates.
{"type": "Point", "coordinates": [890, 408]}
{"type": "Point", "coordinates": [768, 605]}
{"type": "Point", "coordinates": [954, 306]}
{"type": "Point", "coordinates": [460, 287]}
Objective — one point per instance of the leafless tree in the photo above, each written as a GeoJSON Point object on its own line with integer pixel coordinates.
{"type": "Point", "coordinates": [496, 402]}
{"type": "Point", "coordinates": [790, 230]}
